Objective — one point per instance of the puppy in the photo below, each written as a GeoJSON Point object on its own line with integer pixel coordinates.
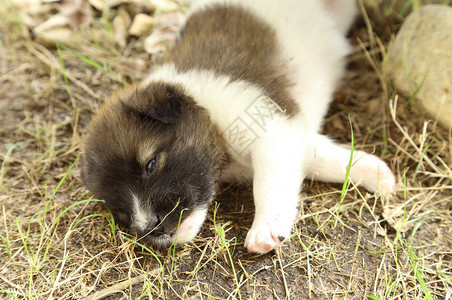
{"type": "Point", "coordinates": [241, 97]}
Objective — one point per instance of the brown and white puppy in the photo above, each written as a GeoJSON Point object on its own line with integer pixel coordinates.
{"type": "Point", "coordinates": [242, 96]}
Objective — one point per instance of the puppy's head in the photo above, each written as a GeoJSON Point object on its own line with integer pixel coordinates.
{"type": "Point", "coordinates": [155, 158]}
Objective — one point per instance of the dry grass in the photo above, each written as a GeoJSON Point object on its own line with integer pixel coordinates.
{"type": "Point", "coordinates": [58, 242]}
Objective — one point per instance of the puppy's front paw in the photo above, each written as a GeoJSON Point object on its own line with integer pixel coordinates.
{"type": "Point", "coordinates": [263, 238]}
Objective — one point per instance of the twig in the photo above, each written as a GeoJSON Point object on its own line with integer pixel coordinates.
{"type": "Point", "coordinates": [57, 66]}
{"type": "Point", "coordinates": [282, 273]}
{"type": "Point", "coordinates": [118, 287]}
{"type": "Point", "coordinates": [392, 110]}
{"type": "Point", "coordinates": [12, 284]}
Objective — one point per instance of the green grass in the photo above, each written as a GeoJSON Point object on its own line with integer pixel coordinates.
{"type": "Point", "coordinates": [38, 254]}
{"type": "Point", "coordinates": [225, 244]}
{"type": "Point", "coordinates": [346, 183]}
{"type": "Point", "coordinates": [327, 240]}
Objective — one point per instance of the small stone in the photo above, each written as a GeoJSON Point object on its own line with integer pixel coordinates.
{"type": "Point", "coordinates": [420, 60]}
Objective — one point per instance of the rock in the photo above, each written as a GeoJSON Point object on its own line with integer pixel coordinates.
{"type": "Point", "coordinates": [420, 60]}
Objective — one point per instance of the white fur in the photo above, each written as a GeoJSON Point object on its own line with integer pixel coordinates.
{"type": "Point", "coordinates": [140, 217]}
{"type": "Point", "coordinates": [312, 44]}
{"type": "Point", "coordinates": [280, 152]}
{"type": "Point", "coordinates": [232, 98]}
{"type": "Point", "coordinates": [329, 162]}
{"type": "Point", "coordinates": [190, 226]}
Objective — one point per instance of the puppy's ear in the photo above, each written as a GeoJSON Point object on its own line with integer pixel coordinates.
{"type": "Point", "coordinates": [168, 110]}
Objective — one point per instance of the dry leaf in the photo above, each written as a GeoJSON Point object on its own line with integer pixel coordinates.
{"type": "Point", "coordinates": [77, 12]}
{"type": "Point", "coordinates": [120, 24]}
{"type": "Point", "coordinates": [157, 42]}
{"type": "Point", "coordinates": [61, 35]}
{"type": "Point", "coordinates": [33, 12]}
{"type": "Point", "coordinates": [381, 231]}
{"type": "Point", "coordinates": [172, 21]}
{"type": "Point", "coordinates": [141, 24]}
{"type": "Point", "coordinates": [29, 6]}
{"type": "Point", "coordinates": [100, 4]}
{"type": "Point", "coordinates": [394, 215]}
{"type": "Point", "coordinates": [28, 20]}
{"type": "Point", "coordinates": [55, 28]}
{"type": "Point", "coordinates": [135, 68]}
{"type": "Point", "coordinates": [165, 33]}
{"type": "Point", "coordinates": [144, 5]}
{"type": "Point", "coordinates": [165, 5]}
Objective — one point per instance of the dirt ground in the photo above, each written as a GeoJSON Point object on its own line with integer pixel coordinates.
{"type": "Point", "coordinates": [57, 242]}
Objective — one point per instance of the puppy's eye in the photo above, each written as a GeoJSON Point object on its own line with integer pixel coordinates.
{"type": "Point", "coordinates": [151, 164]}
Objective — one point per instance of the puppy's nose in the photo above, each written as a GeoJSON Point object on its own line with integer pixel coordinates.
{"type": "Point", "coordinates": [153, 222]}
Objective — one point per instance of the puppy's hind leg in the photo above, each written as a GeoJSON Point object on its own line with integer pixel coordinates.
{"type": "Point", "coordinates": [329, 163]}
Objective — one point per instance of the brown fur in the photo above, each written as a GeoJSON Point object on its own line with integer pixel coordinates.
{"type": "Point", "coordinates": [133, 126]}
{"type": "Point", "coordinates": [159, 122]}
{"type": "Point", "coordinates": [233, 42]}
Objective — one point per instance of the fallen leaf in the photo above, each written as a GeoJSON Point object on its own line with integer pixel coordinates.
{"type": "Point", "coordinates": [165, 5]}
{"type": "Point", "coordinates": [120, 24]}
{"type": "Point", "coordinates": [165, 33]}
{"type": "Point", "coordinates": [141, 24]}
{"type": "Point", "coordinates": [29, 6]}
{"type": "Point", "coordinates": [55, 28]}
{"type": "Point", "coordinates": [100, 4]}
{"type": "Point", "coordinates": [135, 68]}
{"type": "Point", "coordinates": [395, 217]}
{"type": "Point", "coordinates": [381, 231]}
{"type": "Point", "coordinates": [28, 20]}
{"type": "Point", "coordinates": [144, 5]}
{"type": "Point", "coordinates": [172, 21]}
{"type": "Point", "coordinates": [77, 12]}
{"type": "Point", "coordinates": [158, 42]}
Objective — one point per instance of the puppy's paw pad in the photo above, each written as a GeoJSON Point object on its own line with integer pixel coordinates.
{"type": "Point", "coordinates": [262, 241]}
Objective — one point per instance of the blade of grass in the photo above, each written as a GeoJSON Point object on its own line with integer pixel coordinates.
{"type": "Point", "coordinates": [225, 243]}
{"type": "Point", "coordinates": [63, 71]}
{"type": "Point", "coordinates": [5, 160]}
{"type": "Point", "coordinates": [86, 59]}
{"type": "Point", "coordinates": [327, 240]}
{"type": "Point", "coordinates": [10, 294]}
{"type": "Point", "coordinates": [422, 158]}
{"type": "Point", "coordinates": [6, 240]}
{"type": "Point", "coordinates": [346, 183]}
